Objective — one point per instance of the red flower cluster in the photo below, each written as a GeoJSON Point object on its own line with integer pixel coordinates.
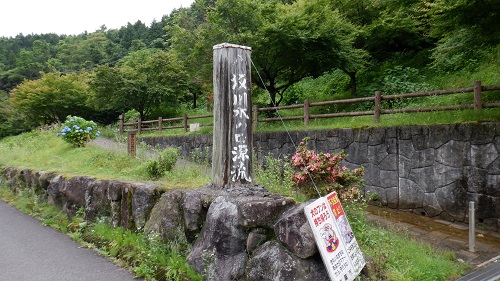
{"type": "Point", "coordinates": [327, 173]}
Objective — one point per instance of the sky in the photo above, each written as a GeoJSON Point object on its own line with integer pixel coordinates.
{"type": "Point", "coordinates": [72, 17]}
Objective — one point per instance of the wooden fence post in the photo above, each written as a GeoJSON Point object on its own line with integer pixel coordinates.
{"type": "Point", "coordinates": [160, 124]}
{"type": "Point", "coordinates": [255, 117]}
{"type": "Point", "coordinates": [120, 125]}
{"type": "Point", "coordinates": [232, 133]}
{"type": "Point", "coordinates": [185, 120]}
{"type": "Point", "coordinates": [139, 126]}
{"type": "Point", "coordinates": [306, 112]}
{"type": "Point", "coordinates": [478, 103]}
{"type": "Point", "coordinates": [378, 110]}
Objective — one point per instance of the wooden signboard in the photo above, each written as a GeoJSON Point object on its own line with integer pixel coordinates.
{"type": "Point", "coordinates": [132, 143]}
{"type": "Point", "coordinates": [232, 135]}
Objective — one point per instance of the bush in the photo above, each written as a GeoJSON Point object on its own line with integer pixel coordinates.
{"type": "Point", "coordinates": [78, 131]}
{"type": "Point", "coordinates": [156, 168]}
{"type": "Point", "coordinates": [323, 173]}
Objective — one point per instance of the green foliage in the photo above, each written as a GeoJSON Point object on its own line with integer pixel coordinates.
{"type": "Point", "coordinates": [466, 33]}
{"type": "Point", "coordinates": [319, 174]}
{"type": "Point", "coordinates": [329, 86]}
{"type": "Point", "coordinates": [156, 168]}
{"type": "Point", "coordinates": [275, 174]}
{"type": "Point", "coordinates": [401, 80]}
{"type": "Point", "coordinates": [78, 131]}
{"type": "Point", "coordinates": [201, 156]}
{"type": "Point", "coordinates": [147, 255]}
{"type": "Point", "coordinates": [453, 52]}
{"type": "Point", "coordinates": [51, 98]}
{"type": "Point", "coordinates": [143, 80]}
{"type": "Point", "coordinates": [131, 116]}
{"type": "Point", "coordinates": [317, 49]}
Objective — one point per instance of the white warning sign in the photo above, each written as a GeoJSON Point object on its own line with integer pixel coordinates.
{"type": "Point", "coordinates": [335, 239]}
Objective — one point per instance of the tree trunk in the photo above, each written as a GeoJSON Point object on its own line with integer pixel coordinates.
{"type": "Point", "coordinates": [352, 82]}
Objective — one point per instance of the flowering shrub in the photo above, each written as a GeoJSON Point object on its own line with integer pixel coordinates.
{"type": "Point", "coordinates": [78, 131]}
{"type": "Point", "coordinates": [326, 172]}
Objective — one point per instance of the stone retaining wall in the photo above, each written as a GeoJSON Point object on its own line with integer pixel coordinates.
{"type": "Point", "coordinates": [238, 232]}
{"type": "Point", "coordinates": [430, 170]}
{"type": "Point", "coordinates": [247, 233]}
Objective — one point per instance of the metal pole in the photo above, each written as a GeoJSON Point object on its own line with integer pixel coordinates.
{"type": "Point", "coordinates": [472, 225]}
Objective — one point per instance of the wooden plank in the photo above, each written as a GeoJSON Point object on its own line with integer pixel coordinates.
{"type": "Point", "coordinates": [428, 109]}
{"type": "Point", "coordinates": [426, 94]}
{"type": "Point", "coordinates": [343, 114]}
{"type": "Point", "coordinates": [356, 100]}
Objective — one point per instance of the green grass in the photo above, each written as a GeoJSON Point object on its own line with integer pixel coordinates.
{"type": "Point", "coordinates": [144, 254]}
{"type": "Point", "coordinates": [275, 175]}
{"type": "Point", "coordinates": [42, 150]}
{"type": "Point", "coordinates": [398, 256]}
{"type": "Point", "coordinates": [395, 254]}
{"type": "Point", "coordinates": [386, 120]}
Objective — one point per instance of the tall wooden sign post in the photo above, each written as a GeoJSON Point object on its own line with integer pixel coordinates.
{"type": "Point", "coordinates": [232, 135]}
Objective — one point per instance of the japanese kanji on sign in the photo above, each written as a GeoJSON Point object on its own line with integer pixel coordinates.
{"type": "Point", "coordinates": [335, 239]}
{"type": "Point", "coordinates": [232, 136]}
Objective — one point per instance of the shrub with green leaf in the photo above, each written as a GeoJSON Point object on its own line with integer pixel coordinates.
{"type": "Point", "coordinates": [275, 174]}
{"type": "Point", "coordinates": [325, 172]}
{"type": "Point", "coordinates": [156, 168]}
{"type": "Point", "coordinates": [78, 131]}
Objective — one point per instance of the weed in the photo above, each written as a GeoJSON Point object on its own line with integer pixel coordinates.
{"type": "Point", "coordinates": [276, 175]}
{"type": "Point", "coordinates": [156, 168]}
{"type": "Point", "coordinates": [147, 255]}
{"type": "Point", "coordinates": [201, 156]}
{"type": "Point", "coordinates": [209, 260]}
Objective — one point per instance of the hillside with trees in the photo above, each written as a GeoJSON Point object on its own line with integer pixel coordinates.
{"type": "Point", "coordinates": [316, 49]}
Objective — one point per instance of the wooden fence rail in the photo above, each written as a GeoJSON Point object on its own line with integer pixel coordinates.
{"type": "Point", "coordinates": [158, 125]}
{"type": "Point", "coordinates": [377, 111]}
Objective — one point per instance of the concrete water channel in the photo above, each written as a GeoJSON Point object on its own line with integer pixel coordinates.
{"type": "Point", "coordinates": [484, 261]}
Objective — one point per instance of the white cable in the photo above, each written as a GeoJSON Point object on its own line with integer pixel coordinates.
{"type": "Point", "coordinates": [282, 121]}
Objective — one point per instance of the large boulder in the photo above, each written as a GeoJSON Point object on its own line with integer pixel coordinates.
{"type": "Point", "coordinates": [166, 216]}
{"type": "Point", "coordinates": [143, 200]}
{"type": "Point", "coordinates": [73, 193]}
{"type": "Point", "coordinates": [223, 238]}
{"type": "Point", "coordinates": [195, 207]}
{"type": "Point", "coordinates": [262, 209]}
{"type": "Point", "coordinates": [239, 220]}
{"type": "Point", "coordinates": [293, 230]}
{"type": "Point", "coordinates": [96, 200]}
{"type": "Point", "coordinates": [274, 262]}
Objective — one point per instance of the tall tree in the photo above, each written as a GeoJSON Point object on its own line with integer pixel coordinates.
{"type": "Point", "coordinates": [51, 98]}
{"type": "Point", "coordinates": [465, 30]}
{"type": "Point", "coordinates": [188, 37]}
{"type": "Point", "coordinates": [142, 81]}
{"type": "Point", "coordinates": [289, 41]}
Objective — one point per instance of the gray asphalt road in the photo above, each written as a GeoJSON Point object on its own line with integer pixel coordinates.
{"type": "Point", "coordinates": [31, 251]}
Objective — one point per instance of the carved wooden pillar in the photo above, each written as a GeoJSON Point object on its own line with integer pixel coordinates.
{"type": "Point", "coordinates": [232, 135]}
